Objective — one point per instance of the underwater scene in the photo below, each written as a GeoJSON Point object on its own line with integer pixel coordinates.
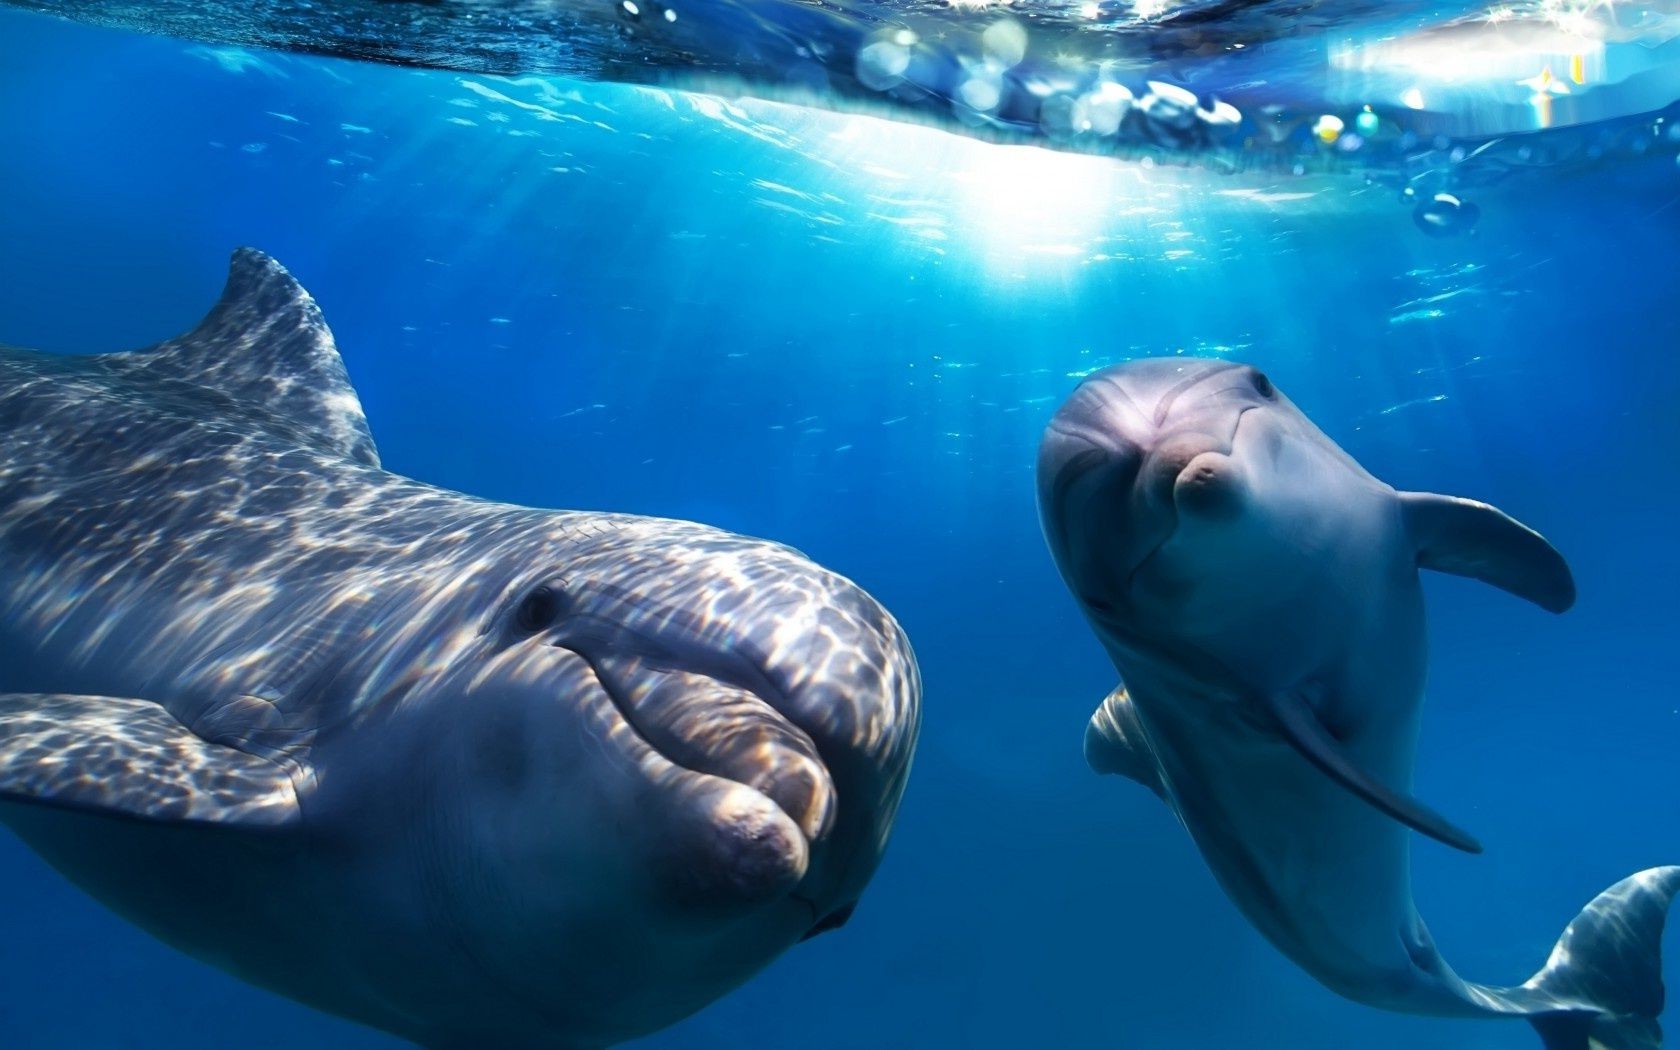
{"type": "Point", "coordinates": [537, 524]}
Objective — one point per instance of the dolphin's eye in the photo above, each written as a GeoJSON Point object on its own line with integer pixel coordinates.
{"type": "Point", "coordinates": [538, 610]}
{"type": "Point", "coordinates": [1263, 386]}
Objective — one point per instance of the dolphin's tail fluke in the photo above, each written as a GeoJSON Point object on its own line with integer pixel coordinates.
{"type": "Point", "coordinates": [1605, 974]}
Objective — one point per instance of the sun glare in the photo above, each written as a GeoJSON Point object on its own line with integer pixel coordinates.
{"type": "Point", "coordinates": [1019, 208]}
{"type": "Point", "coordinates": [1034, 200]}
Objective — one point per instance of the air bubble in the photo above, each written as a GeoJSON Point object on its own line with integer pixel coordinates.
{"type": "Point", "coordinates": [1445, 215]}
{"type": "Point", "coordinates": [980, 94]}
{"type": "Point", "coordinates": [881, 64]}
{"type": "Point", "coordinates": [1005, 43]}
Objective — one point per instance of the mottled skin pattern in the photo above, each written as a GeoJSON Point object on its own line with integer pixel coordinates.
{"type": "Point", "coordinates": [1258, 593]}
{"type": "Point", "coordinates": [472, 773]}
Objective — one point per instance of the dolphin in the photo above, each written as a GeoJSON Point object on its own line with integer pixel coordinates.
{"type": "Point", "coordinates": [1258, 593]}
{"type": "Point", "coordinates": [470, 773]}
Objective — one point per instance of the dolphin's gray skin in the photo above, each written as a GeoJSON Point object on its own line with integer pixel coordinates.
{"type": "Point", "coordinates": [1258, 593]}
{"type": "Point", "coordinates": [474, 774]}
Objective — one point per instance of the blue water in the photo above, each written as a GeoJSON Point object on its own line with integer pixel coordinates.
{"type": "Point", "coordinates": [847, 335]}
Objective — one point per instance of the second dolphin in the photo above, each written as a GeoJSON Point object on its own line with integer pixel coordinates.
{"type": "Point", "coordinates": [1258, 592]}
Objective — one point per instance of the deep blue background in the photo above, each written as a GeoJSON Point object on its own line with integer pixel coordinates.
{"type": "Point", "coordinates": [847, 335]}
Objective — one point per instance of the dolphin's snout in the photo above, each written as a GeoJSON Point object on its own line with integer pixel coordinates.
{"type": "Point", "coordinates": [732, 844]}
{"type": "Point", "coordinates": [714, 727]}
{"type": "Point", "coordinates": [1137, 451]}
{"type": "Point", "coordinates": [1169, 462]}
{"type": "Point", "coordinates": [748, 662]}
{"type": "Point", "coordinates": [844, 673]}
{"type": "Point", "coordinates": [1209, 484]}
{"type": "Point", "coordinates": [1208, 487]}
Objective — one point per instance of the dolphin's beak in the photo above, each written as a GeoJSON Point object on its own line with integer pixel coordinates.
{"type": "Point", "coordinates": [1211, 484]}
{"type": "Point", "coordinates": [842, 671]}
{"type": "Point", "coordinates": [725, 730]}
{"type": "Point", "coordinates": [1209, 488]}
{"type": "Point", "coordinates": [766, 671]}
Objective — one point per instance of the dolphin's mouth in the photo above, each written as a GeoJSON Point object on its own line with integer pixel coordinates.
{"type": "Point", "coordinates": [772, 731]}
{"type": "Point", "coordinates": [724, 729]}
{"type": "Point", "coordinates": [1191, 466]}
{"type": "Point", "coordinates": [710, 723]}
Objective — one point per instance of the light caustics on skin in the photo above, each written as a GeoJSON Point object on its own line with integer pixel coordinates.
{"type": "Point", "coordinates": [589, 771]}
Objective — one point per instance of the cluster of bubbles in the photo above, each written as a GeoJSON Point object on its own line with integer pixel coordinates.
{"type": "Point", "coordinates": [996, 81]}
{"type": "Point", "coordinates": [993, 83]}
{"type": "Point", "coordinates": [636, 10]}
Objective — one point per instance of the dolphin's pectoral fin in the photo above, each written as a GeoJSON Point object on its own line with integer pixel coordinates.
{"type": "Point", "coordinates": [1302, 728]}
{"type": "Point", "coordinates": [131, 758]}
{"type": "Point", "coordinates": [1472, 539]}
{"type": "Point", "coordinates": [1116, 742]}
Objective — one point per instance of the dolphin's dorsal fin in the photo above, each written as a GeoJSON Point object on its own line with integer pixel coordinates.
{"type": "Point", "coordinates": [1116, 742]}
{"type": "Point", "coordinates": [265, 345]}
{"type": "Point", "coordinates": [1467, 538]}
